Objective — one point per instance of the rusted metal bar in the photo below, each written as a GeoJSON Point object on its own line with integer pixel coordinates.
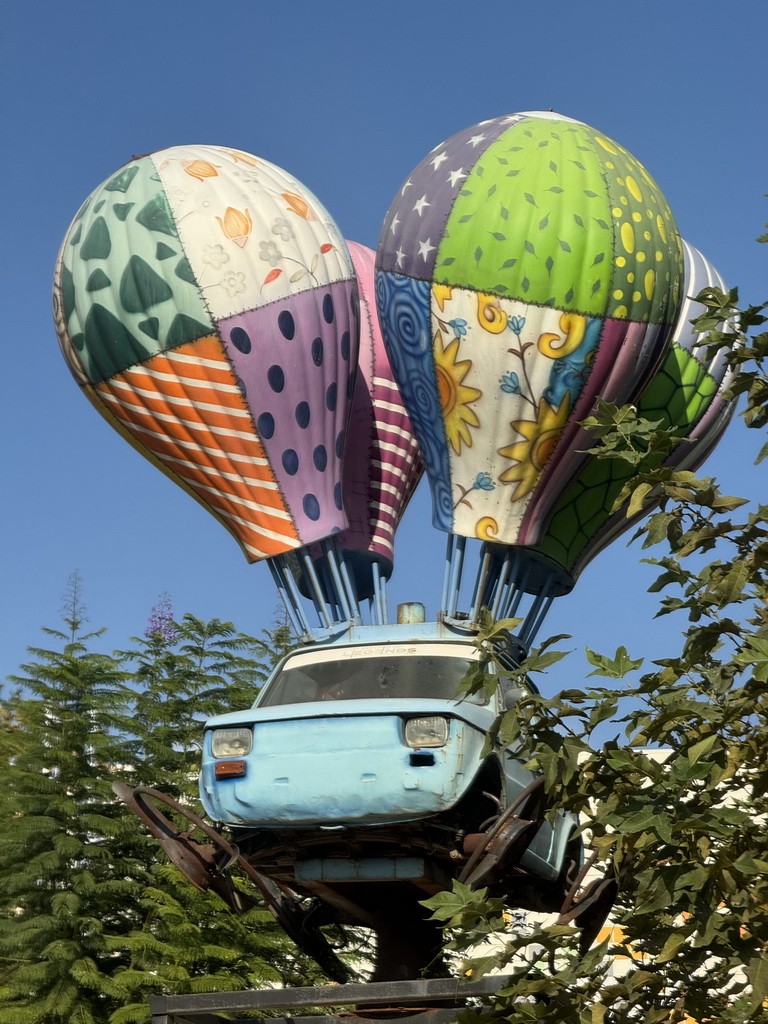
{"type": "Point", "coordinates": [204, 1007]}
{"type": "Point", "coordinates": [425, 1015]}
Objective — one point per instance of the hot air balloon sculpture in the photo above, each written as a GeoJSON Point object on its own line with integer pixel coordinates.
{"type": "Point", "coordinates": [209, 308]}
{"type": "Point", "coordinates": [528, 265]}
{"type": "Point", "coordinates": [206, 303]}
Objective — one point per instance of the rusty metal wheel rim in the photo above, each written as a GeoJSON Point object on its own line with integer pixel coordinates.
{"type": "Point", "coordinates": [278, 899]}
{"type": "Point", "coordinates": [530, 789]}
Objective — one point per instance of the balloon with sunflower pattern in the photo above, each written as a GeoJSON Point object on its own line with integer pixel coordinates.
{"type": "Point", "coordinates": [527, 265]}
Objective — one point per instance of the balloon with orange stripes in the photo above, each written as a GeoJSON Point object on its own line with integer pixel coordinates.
{"type": "Point", "coordinates": [207, 305]}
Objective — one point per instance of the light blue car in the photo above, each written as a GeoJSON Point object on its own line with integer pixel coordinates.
{"type": "Point", "coordinates": [360, 777]}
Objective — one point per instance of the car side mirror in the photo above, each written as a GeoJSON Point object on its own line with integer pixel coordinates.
{"type": "Point", "coordinates": [513, 695]}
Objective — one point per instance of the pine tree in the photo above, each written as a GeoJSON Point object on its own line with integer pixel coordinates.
{"type": "Point", "coordinates": [92, 918]}
{"type": "Point", "coordinates": [68, 881]}
{"type": "Point", "coordinates": [185, 672]}
{"type": "Point", "coordinates": [189, 942]}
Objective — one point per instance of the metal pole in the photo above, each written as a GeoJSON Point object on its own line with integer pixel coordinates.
{"type": "Point", "coordinates": [537, 612]}
{"type": "Point", "coordinates": [348, 581]}
{"type": "Point", "coordinates": [384, 613]}
{"type": "Point", "coordinates": [319, 599]}
{"type": "Point", "coordinates": [483, 573]}
{"type": "Point", "coordinates": [457, 566]}
{"type": "Point", "coordinates": [517, 593]}
{"type": "Point", "coordinates": [286, 588]}
{"type": "Point", "coordinates": [447, 572]}
{"type": "Point", "coordinates": [376, 605]}
{"type": "Point", "coordinates": [501, 586]}
{"type": "Point", "coordinates": [338, 586]}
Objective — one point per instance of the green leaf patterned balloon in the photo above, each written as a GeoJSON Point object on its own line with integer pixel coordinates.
{"type": "Point", "coordinates": [528, 265]}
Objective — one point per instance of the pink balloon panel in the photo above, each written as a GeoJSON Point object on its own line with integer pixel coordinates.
{"type": "Point", "coordinates": [382, 463]}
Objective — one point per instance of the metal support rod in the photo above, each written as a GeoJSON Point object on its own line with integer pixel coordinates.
{"type": "Point", "coordinates": [376, 605]}
{"type": "Point", "coordinates": [447, 573]}
{"type": "Point", "coordinates": [286, 588]}
{"type": "Point", "coordinates": [383, 599]}
{"type": "Point", "coordinates": [538, 611]}
{"type": "Point", "coordinates": [457, 566]}
{"type": "Point", "coordinates": [534, 629]}
{"type": "Point", "coordinates": [348, 581]}
{"type": "Point", "coordinates": [328, 588]}
{"type": "Point", "coordinates": [293, 589]}
{"type": "Point", "coordinates": [318, 599]}
{"type": "Point", "coordinates": [483, 575]}
{"type": "Point", "coordinates": [517, 593]}
{"type": "Point", "coordinates": [501, 586]}
{"type": "Point", "coordinates": [530, 616]}
{"type": "Point", "coordinates": [338, 586]}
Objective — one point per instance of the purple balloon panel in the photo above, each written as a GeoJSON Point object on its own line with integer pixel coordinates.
{"type": "Point", "coordinates": [626, 355]}
{"type": "Point", "coordinates": [417, 216]}
{"type": "Point", "coordinates": [295, 361]}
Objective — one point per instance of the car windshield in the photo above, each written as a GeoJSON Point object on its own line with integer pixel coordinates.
{"type": "Point", "coordinates": [433, 677]}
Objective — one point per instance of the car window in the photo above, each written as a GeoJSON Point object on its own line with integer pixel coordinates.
{"type": "Point", "coordinates": [423, 675]}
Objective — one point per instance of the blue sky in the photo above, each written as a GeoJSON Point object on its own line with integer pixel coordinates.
{"type": "Point", "coordinates": [348, 96]}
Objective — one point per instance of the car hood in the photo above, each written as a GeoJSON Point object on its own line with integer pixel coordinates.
{"type": "Point", "coordinates": [478, 715]}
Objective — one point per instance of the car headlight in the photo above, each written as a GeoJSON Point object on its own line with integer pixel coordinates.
{"type": "Point", "coordinates": [426, 732]}
{"type": "Point", "coordinates": [231, 742]}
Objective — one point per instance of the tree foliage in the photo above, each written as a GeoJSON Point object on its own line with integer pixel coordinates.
{"type": "Point", "coordinates": [92, 919]}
